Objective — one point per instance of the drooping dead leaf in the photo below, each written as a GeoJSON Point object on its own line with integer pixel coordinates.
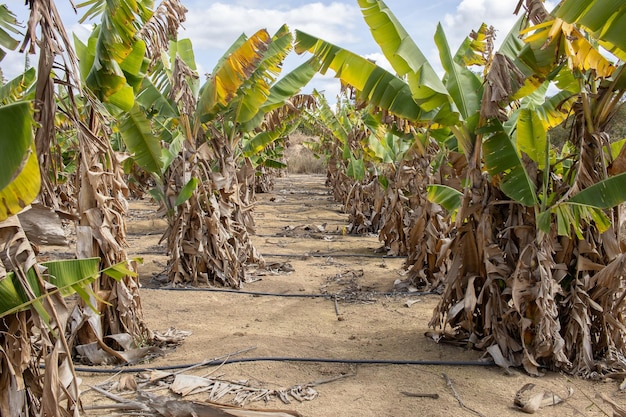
{"type": "Point", "coordinates": [43, 225]}
{"type": "Point", "coordinates": [530, 401]}
{"type": "Point", "coordinates": [498, 358]}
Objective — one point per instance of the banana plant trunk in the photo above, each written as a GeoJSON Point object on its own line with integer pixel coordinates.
{"type": "Point", "coordinates": [209, 234]}
{"type": "Point", "coordinates": [101, 232]}
{"type": "Point", "coordinates": [26, 337]}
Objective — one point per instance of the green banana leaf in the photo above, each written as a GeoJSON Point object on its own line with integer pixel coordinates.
{"type": "Point", "coordinates": [532, 137]}
{"type": "Point", "coordinates": [356, 168]}
{"type": "Point", "coordinates": [465, 87]}
{"type": "Point", "coordinates": [8, 23]}
{"type": "Point", "coordinates": [183, 48]}
{"type": "Point", "coordinates": [65, 275]}
{"type": "Point", "coordinates": [403, 54]}
{"type": "Point", "coordinates": [152, 100]}
{"type": "Point", "coordinates": [112, 62]}
{"type": "Point", "coordinates": [68, 276]}
{"type": "Point", "coordinates": [446, 197]}
{"type": "Point", "coordinates": [330, 119]}
{"type": "Point", "coordinates": [137, 134]}
{"type": "Point", "coordinates": [379, 86]}
{"type": "Point", "coordinates": [187, 191]}
{"type": "Point", "coordinates": [605, 194]}
{"type": "Point", "coordinates": [504, 162]}
{"type": "Point", "coordinates": [587, 205]}
{"type": "Point", "coordinates": [272, 163]}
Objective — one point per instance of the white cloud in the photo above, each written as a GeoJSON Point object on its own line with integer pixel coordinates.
{"type": "Point", "coordinates": [218, 25]}
{"type": "Point", "coordinates": [470, 14]}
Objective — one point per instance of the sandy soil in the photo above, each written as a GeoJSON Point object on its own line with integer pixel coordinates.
{"type": "Point", "coordinates": [360, 325]}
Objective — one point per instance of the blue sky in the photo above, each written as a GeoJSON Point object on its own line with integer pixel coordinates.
{"type": "Point", "coordinates": [214, 25]}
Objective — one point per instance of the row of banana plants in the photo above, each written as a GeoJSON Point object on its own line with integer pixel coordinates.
{"type": "Point", "coordinates": [523, 237]}
{"type": "Point", "coordinates": [131, 86]}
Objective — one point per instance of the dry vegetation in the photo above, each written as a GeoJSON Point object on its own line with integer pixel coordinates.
{"type": "Point", "coordinates": [305, 258]}
{"type": "Point", "coordinates": [300, 159]}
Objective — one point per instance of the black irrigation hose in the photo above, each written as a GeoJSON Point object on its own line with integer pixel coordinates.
{"type": "Point", "coordinates": [294, 295]}
{"type": "Point", "coordinates": [333, 255]}
{"type": "Point", "coordinates": [286, 359]}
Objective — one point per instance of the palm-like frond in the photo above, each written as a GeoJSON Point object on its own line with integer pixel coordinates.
{"type": "Point", "coordinates": [8, 29]}
{"type": "Point", "coordinates": [377, 85]}
{"type": "Point", "coordinates": [231, 73]}
{"type": "Point", "coordinates": [404, 55]}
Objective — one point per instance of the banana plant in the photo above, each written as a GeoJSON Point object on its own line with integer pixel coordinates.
{"type": "Point", "coordinates": [535, 199]}
{"type": "Point", "coordinates": [211, 132]}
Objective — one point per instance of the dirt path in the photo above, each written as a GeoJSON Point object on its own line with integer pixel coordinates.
{"type": "Point", "coordinates": [299, 229]}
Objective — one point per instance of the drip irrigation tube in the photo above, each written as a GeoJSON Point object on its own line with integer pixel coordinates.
{"type": "Point", "coordinates": [332, 255]}
{"type": "Point", "coordinates": [287, 359]}
{"type": "Point", "coordinates": [295, 295]}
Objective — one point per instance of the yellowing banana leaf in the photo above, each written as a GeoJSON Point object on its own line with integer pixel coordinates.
{"type": "Point", "coordinates": [259, 142]}
{"type": "Point", "coordinates": [379, 86]}
{"type": "Point", "coordinates": [404, 55]}
{"type": "Point", "coordinates": [137, 134]}
{"type": "Point", "coordinates": [504, 162]}
{"type": "Point", "coordinates": [16, 138]}
{"type": "Point", "coordinates": [14, 90]}
{"type": "Point", "coordinates": [557, 37]}
{"type": "Point", "coordinates": [120, 270]}
{"type": "Point", "coordinates": [281, 91]}
{"type": "Point", "coordinates": [605, 19]}
{"type": "Point", "coordinates": [446, 197]}
{"type": "Point", "coordinates": [330, 119]}
{"type": "Point", "coordinates": [472, 50]}
{"type": "Point", "coordinates": [255, 92]}
{"type": "Point", "coordinates": [23, 189]}
{"type": "Point", "coordinates": [230, 74]}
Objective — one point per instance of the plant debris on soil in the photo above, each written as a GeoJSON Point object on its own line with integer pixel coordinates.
{"type": "Point", "coordinates": [334, 296]}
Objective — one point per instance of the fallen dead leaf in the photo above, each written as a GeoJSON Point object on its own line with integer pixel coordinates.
{"type": "Point", "coordinates": [529, 401]}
